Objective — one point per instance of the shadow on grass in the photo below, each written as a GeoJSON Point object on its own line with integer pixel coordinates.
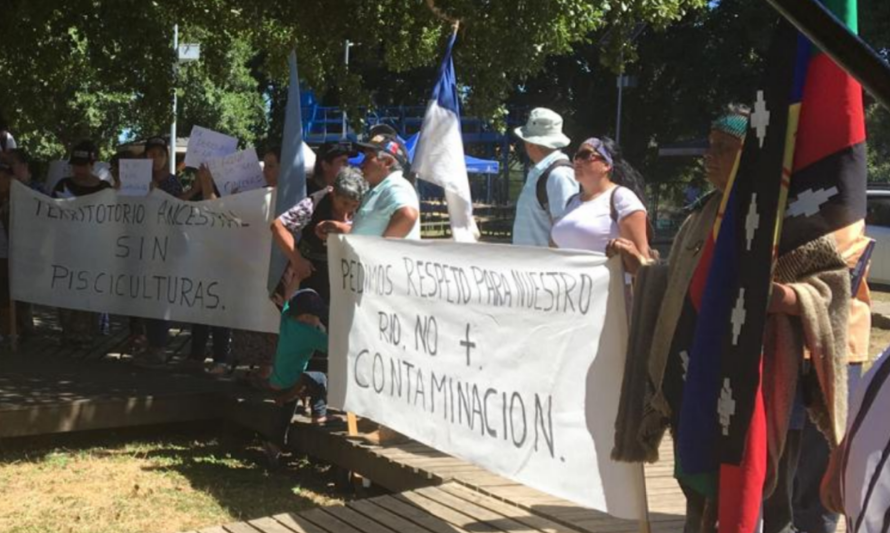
{"type": "Point", "coordinates": [231, 468]}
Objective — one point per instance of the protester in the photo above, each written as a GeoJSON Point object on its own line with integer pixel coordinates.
{"type": "Point", "coordinates": [157, 330]}
{"type": "Point", "coordinates": [7, 142]}
{"type": "Point", "coordinates": [331, 158]}
{"type": "Point", "coordinates": [301, 333]}
{"type": "Point", "coordinates": [550, 182]}
{"type": "Point", "coordinates": [82, 181]}
{"type": "Point", "coordinates": [272, 166]}
{"type": "Point", "coordinates": [608, 205]}
{"type": "Point", "coordinates": [810, 293]}
{"type": "Point", "coordinates": [294, 231]}
{"type": "Point", "coordinates": [391, 207]}
{"type": "Point", "coordinates": [6, 177]}
{"type": "Point", "coordinates": [20, 162]}
{"type": "Point", "coordinates": [857, 481]}
{"type": "Point", "coordinates": [78, 327]}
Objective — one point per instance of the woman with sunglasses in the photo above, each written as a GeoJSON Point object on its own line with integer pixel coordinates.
{"type": "Point", "coordinates": [609, 205]}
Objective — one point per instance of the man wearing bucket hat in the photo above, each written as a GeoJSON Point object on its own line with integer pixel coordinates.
{"type": "Point", "coordinates": [550, 182]}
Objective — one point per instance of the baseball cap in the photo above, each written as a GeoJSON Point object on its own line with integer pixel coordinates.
{"type": "Point", "coordinates": [390, 144]}
{"type": "Point", "coordinates": [307, 301]}
{"type": "Point", "coordinates": [84, 153]}
{"type": "Point", "coordinates": [332, 150]}
{"type": "Point", "coordinates": [156, 142]}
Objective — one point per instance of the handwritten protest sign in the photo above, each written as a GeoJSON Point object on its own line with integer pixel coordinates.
{"type": "Point", "coordinates": [207, 144]}
{"type": "Point", "coordinates": [153, 256]}
{"type": "Point", "coordinates": [509, 357]}
{"type": "Point", "coordinates": [238, 172]}
{"type": "Point", "coordinates": [56, 172]}
{"type": "Point", "coordinates": [135, 177]}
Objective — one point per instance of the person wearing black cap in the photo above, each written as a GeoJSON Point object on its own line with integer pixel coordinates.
{"type": "Point", "coordinates": [391, 207]}
{"type": "Point", "coordinates": [331, 158]}
{"type": "Point", "coordinates": [82, 181]}
{"type": "Point", "coordinates": [156, 150]}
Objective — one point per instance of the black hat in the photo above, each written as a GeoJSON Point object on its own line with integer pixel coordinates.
{"type": "Point", "coordinates": [156, 142]}
{"type": "Point", "coordinates": [332, 150]}
{"type": "Point", "coordinates": [387, 143]}
{"type": "Point", "coordinates": [84, 153]}
{"type": "Point", "coordinates": [382, 129]}
{"type": "Point", "coordinates": [307, 301]}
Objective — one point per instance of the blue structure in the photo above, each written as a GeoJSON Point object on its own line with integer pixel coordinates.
{"type": "Point", "coordinates": [323, 124]}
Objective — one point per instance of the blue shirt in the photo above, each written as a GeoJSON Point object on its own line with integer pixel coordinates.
{"type": "Point", "coordinates": [532, 224]}
{"type": "Point", "coordinates": [381, 202]}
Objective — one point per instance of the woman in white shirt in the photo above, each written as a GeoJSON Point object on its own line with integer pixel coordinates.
{"type": "Point", "coordinates": [608, 206]}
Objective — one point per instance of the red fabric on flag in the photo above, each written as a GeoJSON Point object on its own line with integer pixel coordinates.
{"type": "Point", "coordinates": [831, 116]}
{"type": "Point", "coordinates": [741, 511]}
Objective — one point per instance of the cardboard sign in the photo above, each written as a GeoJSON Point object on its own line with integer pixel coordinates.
{"type": "Point", "coordinates": [238, 172]}
{"type": "Point", "coordinates": [135, 177]}
{"type": "Point", "coordinates": [207, 144]}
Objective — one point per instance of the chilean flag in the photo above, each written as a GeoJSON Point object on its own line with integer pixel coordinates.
{"type": "Point", "coordinates": [439, 158]}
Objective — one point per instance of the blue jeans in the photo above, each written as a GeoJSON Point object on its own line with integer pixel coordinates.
{"type": "Point", "coordinates": [222, 343]}
{"type": "Point", "coordinates": [315, 385]}
{"type": "Point", "coordinates": [810, 516]}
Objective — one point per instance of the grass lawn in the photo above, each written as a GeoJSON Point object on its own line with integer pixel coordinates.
{"type": "Point", "coordinates": [138, 482]}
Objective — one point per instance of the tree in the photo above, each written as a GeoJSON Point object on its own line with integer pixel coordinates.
{"type": "Point", "coordinates": [96, 68]}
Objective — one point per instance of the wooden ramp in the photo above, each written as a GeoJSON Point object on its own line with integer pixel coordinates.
{"type": "Point", "coordinates": [450, 508]}
{"type": "Point", "coordinates": [48, 387]}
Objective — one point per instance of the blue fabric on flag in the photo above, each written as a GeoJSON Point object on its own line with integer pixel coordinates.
{"type": "Point", "coordinates": [445, 91]}
{"type": "Point", "coordinates": [699, 412]}
{"type": "Point", "coordinates": [292, 176]}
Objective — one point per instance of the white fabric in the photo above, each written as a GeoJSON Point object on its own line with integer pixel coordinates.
{"type": "Point", "coordinates": [532, 225]}
{"type": "Point", "coordinates": [440, 159]}
{"type": "Point", "coordinates": [511, 358]}
{"type": "Point", "coordinates": [153, 256]}
{"type": "Point", "coordinates": [589, 225]}
{"type": "Point", "coordinates": [864, 453]}
{"type": "Point", "coordinates": [10, 142]}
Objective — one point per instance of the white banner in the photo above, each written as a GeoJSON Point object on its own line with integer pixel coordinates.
{"type": "Point", "coordinates": [509, 357]}
{"type": "Point", "coordinates": [135, 176]}
{"type": "Point", "coordinates": [153, 256]}
{"type": "Point", "coordinates": [207, 144]}
{"type": "Point", "coordinates": [237, 172]}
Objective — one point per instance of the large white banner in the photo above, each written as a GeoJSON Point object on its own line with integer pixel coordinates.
{"type": "Point", "coordinates": [153, 256]}
{"type": "Point", "coordinates": [509, 357]}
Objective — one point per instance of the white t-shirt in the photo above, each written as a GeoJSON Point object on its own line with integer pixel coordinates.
{"type": "Point", "coordinates": [866, 479]}
{"type": "Point", "coordinates": [589, 225]}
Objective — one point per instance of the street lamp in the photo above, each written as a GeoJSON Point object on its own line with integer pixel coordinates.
{"type": "Point", "coordinates": [346, 46]}
{"type": "Point", "coordinates": [184, 54]}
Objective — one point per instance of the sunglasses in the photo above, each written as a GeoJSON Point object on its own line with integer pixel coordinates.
{"type": "Point", "coordinates": [588, 155]}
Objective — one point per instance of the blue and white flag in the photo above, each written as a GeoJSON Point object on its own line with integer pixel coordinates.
{"type": "Point", "coordinates": [440, 151]}
{"type": "Point", "coordinates": [292, 176]}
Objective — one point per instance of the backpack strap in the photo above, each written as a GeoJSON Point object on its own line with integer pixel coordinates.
{"type": "Point", "coordinates": [541, 185]}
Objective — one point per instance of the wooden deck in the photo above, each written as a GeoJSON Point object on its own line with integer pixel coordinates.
{"type": "Point", "coordinates": [48, 388]}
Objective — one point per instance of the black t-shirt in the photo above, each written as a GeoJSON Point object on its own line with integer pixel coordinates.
{"type": "Point", "coordinates": [316, 250]}
{"type": "Point", "coordinates": [77, 190]}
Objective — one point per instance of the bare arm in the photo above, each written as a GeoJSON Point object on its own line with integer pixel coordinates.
{"type": "Point", "coordinates": [633, 228]}
{"type": "Point", "coordinates": [401, 223]}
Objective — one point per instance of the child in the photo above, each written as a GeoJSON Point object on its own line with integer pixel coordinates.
{"type": "Point", "coordinates": [301, 334]}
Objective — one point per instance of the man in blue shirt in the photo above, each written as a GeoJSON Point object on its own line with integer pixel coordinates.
{"type": "Point", "coordinates": [537, 211]}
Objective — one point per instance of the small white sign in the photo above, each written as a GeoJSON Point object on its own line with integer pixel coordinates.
{"type": "Point", "coordinates": [57, 171]}
{"type": "Point", "coordinates": [207, 144]}
{"type": "Point", "coordinates": [135, 177]}
{"type": "Point", "coordinates": [189, 52]}
{"type": "Point", "coordinates": [238, 172]}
